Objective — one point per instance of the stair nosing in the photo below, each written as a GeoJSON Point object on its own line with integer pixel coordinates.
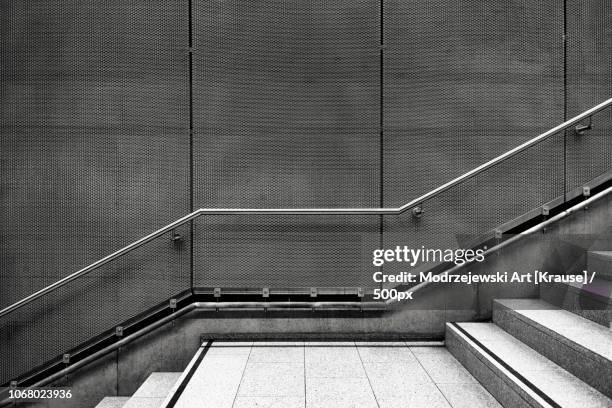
{"type": "Point", "coordinates": [558, 336]}
{"type": "Point", "coordinates": [506, 375]}
{"type": "Point", "coordinates": [559, 369]}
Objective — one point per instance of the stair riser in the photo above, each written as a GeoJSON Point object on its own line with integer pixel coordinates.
{"type": "Point", "coordinates": [503, 388]}
{"type": "Point", "coordinates": [584, 364]}
{"type": "Point", "coordinates": [594, 308]}
{"type": "Point", "coordinates": [601, 265]}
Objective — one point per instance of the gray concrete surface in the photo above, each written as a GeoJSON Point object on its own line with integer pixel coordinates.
{"type": "Point", "coordinates": [580, 346]}
{"type": "Point", "coordinates": [331, 374]}
{"type": "Point", "coordinates": [153, 391]}
{"type": "Point", "coordinates": [113, 402]}
{"type": "Point", "coordinates": [559, 385]}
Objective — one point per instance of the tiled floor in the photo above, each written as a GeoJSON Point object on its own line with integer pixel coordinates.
{"type": "Point", "coordinates": [331, 374]}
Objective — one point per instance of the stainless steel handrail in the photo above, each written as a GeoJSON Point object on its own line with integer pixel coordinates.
{"type": "Point", "coordinates": [308, 211]}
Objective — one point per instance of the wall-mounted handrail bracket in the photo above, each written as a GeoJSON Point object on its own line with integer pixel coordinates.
{"type": "Point", "coordinates": [417, 212]}
{"type": "Point", "coordinates": [586, 191]}
{"type": "Point", "coordinates": [581, 129]}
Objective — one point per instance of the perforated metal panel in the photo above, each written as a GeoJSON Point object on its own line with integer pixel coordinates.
{"type": "Point", "coordinates": [95, 146]}
{"type": "Point", "coordinates": [467, 213]}
{"type": "Point", "coordinates": [286, 113]}
{"type": "Point", "coordinates": [589, 82]}
{"type": "Point", "coordinates": [464, 82]}
{"type": "Point", "coordinates": [94, 154]}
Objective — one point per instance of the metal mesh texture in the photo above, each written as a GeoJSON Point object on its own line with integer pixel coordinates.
{"type": "Point", "coordinates": [94, 151]}
{"type": "Point", "coordinates": [589, 82]}
{"type": "Point", "coordinates": [463, 83]}
{"type": "Point", "coordinates": [286, 114]}
{"type": "Point", "coordinates": [481, 204]}
{"type": "Point", "coordinates": [95, 146]}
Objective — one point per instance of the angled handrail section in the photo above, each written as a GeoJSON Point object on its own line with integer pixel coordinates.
{"type": "Point", "coordinates": [309, 211]}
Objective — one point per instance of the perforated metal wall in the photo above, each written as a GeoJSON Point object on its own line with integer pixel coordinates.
{"type": "Point", "coordinates": [94, 152]}
{"type": "Point", "coordinates": [296, 103]}
{"type": "Point", "coordinates": [286, 114]}
{"type": "Point", "coordinates": [589, 81]}
{"type": "Point", "coordinates": [463, 83]}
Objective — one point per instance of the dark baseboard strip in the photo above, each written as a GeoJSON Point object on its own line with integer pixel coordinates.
{"type": "Point", "coordinates": [187, 378]}
{"type": "Point", "coordinates": [494, 356]}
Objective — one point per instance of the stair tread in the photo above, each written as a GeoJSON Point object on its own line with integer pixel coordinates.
{"type": "Point", "coordinates": [153, 391]}
{"type": "Point", "coordinates": [602, 254]}
{"type": "Point", "coordinates": [601, 263]}
{"type": "Point", "coordinates": [599, 287]}
{"type": "Point", "coordinates": [561, 386]}
{"type": "Point", "coordinates": [157, 385]}
{"type": "Point", "coordinates": [573, 328]}
{"type": "Point", "coordinates": [144, 402]}
{"type": "Point", "coordinates": [112, 402]}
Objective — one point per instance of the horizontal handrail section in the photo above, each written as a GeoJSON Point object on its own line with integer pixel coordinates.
{"type": "Point", "coordinates": [309, 211]}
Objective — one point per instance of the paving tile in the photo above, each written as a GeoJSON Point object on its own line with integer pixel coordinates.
{"type": "Point", "coordinates": [214, 383]}
{"type": "Point", "coordinates": [333, 362]}
{"type": "Point", "coordinates": [468, 396]}
{"type": "Point", "coordinates": [343, 344]}
{"type": "Point", "coordinates": [438, 351]}
{"type": "Point", "coordinates": [278, 344]}
{"type": "Point", "coordinates": [325, 354]}
{"type": "Point", "coordinates": [229, 349]}
{"type": "Point", "coordinates": [385, 354]}
{"type": "Point", "coordinates": [442, 367]}
{"type": "Point", "coordinates": [417, 396]}
{"type": "Point", "coordinates": [339, 393]}
{"type": "Point", "coordinates": [232, 344]}
{"type": "Point", "coordinates": [277, 354]}
{"type": "Point", "coordinates": [395, 379]}
{"type": "Point", "coordinates": [335, 369]}
{"type": "Point", "coordinates": [272, 379]}
{"type": "Point", "coordinates": [380, 343]}
{"type": "Point", "coordinates": [269, 402]}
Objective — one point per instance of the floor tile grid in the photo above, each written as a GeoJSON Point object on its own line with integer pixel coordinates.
{"type": "Point", "coordinates": [432, 380]}
{"type": "Point", "coordinates": [241, 378]}
{"type": "Point", "coordinates": [366, 373]}
{"type": "Point", "coordinates": [304, 361]}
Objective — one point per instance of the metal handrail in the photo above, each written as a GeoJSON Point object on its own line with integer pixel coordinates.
{"type": "Point", "coordinates": [308, 211]}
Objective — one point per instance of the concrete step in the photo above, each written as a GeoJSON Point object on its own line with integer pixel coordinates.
{"type": "Point", "coordinates": [153, 391]}
{"type": "Point", "coordinates": [592, 301]}
{"type": "Point", "coordinates": [601, 263]}
{"type": "Point", "coordinates": [515, 374]}
{"type": "Point", "coordinates": [113, 402]}
{"type": "Point", "coordinates": [580, 346]}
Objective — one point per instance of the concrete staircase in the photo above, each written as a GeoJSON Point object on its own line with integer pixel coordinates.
{"type": "Point", "coordinates": [549, 352]}
{"type": "Point", "coordinates": [150, 394]}
{"type": "Point", "coordinates": [592, 301]}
